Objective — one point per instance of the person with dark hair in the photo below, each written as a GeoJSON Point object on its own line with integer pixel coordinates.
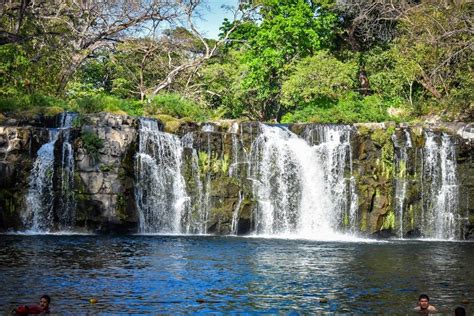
{"type": "Point", "coordinates": [459, 311]}
{"type": "Point", "coordinates": [41, 309]}
{"type": "Point", "coordinates": [424, 305]}
{"type": "Point", "coordinates": [44, 303]}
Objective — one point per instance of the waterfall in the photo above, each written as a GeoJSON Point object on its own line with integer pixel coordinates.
{"type": "Point", "coordinates": [67, 201]}
{"type": "Point", "coordinates": [300, 184]}
{"type": "Point", "coordinates": [160, 188]}
{"type": "Point", "coordinates": [195, 217]}
{"type": "Point", "coordinates": [441, 190]}
{"type": "Point", "coordinates": [235, 215]}
{"type": "Point", "coordinates": [207, 129]}
{"type": "Point", "coordinates": [401, 151]}
{"type": "Point", "coordinates": [39, 215]}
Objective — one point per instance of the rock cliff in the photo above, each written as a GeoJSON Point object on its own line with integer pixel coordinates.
{"type": "Point", "coordinates": [386, 161]}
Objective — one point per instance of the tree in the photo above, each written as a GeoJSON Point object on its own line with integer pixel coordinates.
{"type": "Point", "coordinates": [371, 22]}
{"type": "Point", "coordinates": [82, 25]}
{"type": "Point", "coordinates": [210, 48]}
{"type": "Point", "coordinates": [439, 35]}
{"type": "Point", "coordinates": [289, 30]}
{"type": "Point", "coordinates": [320, 77]}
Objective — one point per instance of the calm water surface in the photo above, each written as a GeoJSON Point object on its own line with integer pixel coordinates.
{"type": "Point", "coordinates": [158, 274]}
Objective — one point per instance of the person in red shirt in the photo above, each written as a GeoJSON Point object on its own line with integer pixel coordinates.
{"type": "Point", "coordinates": [41, 309]}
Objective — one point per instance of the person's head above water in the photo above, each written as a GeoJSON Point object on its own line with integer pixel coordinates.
{"type": "Point", "coordinates": [423, 301]}
{"type": "Point", "coordinates": [424, 306]}
{"type": "Point", "coordinates": [44, 302]}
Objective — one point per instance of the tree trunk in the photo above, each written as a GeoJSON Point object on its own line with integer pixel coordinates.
{"type": "Point", "coordinates": [426, 83]}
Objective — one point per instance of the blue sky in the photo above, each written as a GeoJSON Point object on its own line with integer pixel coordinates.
{"type": "Point", "coordinates": [213, 16]}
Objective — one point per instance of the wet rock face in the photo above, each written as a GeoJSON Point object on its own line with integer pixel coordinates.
{"type": "Point", "coordinates": [104, 175]}
{"type": "Point", "coordinates": [104, 185]}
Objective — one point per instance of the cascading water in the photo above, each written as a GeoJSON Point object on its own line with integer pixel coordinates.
{"type": "Point", "coordinates": [441, 190]}
{"type": "Point", "coordinates": [235, 215]}
{"type": "Point", "coordinates": [39, 215]}
{"type": "Point", "coordinates": [353, 197]}
{"type": "Point", "coordinates": [239, 159]}
{"type": "Point", "coordinates": [401, 150]}
{"type": "Point", "coordinates": [334, 148]}
{"type": "Point", "coordinates": [207, 129]}
{"type": "Point", "coordinates": [67, 200]}
{"type": "Point", "coordinates": [239, 155]}
{"type": "Point", "coordinates": [300, 187]}
{"type": "Point", "coordinates": [40, 197]}
{"type": "Point", "coordinates": [195, 219]}
{"type": "Point", "coordinates": [160, 189]}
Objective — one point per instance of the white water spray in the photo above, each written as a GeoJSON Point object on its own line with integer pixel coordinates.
{"type": "Point", "coordinates": [441, 195]}
{"type": "Point", "coordinates": [401, 146]}
{"type": "Point", "coordinates": [67, 201]}
{"type": "Point", "coordinates": [300, 188]}
{"type": "Point", "coordinates": [38, 217]}
{"type": "Point", "coordinates": [160, 189]}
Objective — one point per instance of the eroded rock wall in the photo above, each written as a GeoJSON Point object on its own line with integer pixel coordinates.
{"type": "Point", "coordinates": [105, 146]}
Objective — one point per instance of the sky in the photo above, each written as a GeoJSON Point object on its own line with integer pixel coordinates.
{"type": "Point", "coordinates": [213, 16]}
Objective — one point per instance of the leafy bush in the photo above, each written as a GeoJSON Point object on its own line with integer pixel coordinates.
{"type": "Point", "coordinates": [108, 103]}
{"type": "Point", "coordinates": [318, 76]}
{"type": "Point", "coordinates": [176, 106]}
{"type": "Point", "coordinates": [92, 143]}
{"type": "Point", "coordinates": [36, 103]}
{"type": "Point", "coordinates": [351, 109]}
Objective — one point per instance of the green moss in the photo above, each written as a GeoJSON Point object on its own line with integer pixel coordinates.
{"type": "Point", "coordinates": [363, 130]}
{"type": "Point", "coordinates": [171, 123]}
{"type": "Point", "coordinates": [92, 143]}
{"type": "Point", "coordinates": [220, 165]}
{"type": "Point", "coordinates": [402, 169]}
{"type": "Point", "coordinates": [225, 163]}
{"type": "Point", "coordinates": [382, 136]}
{"type": "Point", "coordinates": [203, 162]}
{"type": "Point", "coordinates": [411, 215]}
{"type": "Point", "coordinates": [106, 168]}
{"type": "Point", "coordinates": [389, 221]}
{"type": "Point", "coordinates": [122, 207]}
{"type": "Point", "coordinates": [345, 220]}
{"type": "Point", "coordinates": [363, 222]}
{"type": "Point", "coordinates": [383, 139]}
{"type": "Point", "coordinates": [80, 120]}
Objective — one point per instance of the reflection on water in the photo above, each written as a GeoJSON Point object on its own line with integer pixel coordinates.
{"type": "Point", "coordinates": [176, 274]}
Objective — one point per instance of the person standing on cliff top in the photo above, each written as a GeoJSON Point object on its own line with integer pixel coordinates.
{"type": "Point", "coordinates": [424, 306]}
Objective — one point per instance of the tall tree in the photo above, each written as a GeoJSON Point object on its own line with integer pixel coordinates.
{"type": "Point", "coordinates": [82, 25]}
{"type": "Point", "coordinates": [289, 30]}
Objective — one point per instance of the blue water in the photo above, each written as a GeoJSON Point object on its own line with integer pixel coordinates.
{"type": "Point", "coordinates": [177, 274]}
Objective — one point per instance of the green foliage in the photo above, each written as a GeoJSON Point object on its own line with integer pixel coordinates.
{"type": "Point", "coordinates": [203, 162]}
{"type": "Point", "coordinates": [176, 106]}
{"type": "Point", "coordinates": [389, 221]}
{"type": "Point", "coordinates": [383, 139]}
{"type": "Point", "coordinates": [34, 103]}
{"type": "Point", "coordinates": [222, 83]}
{"type": "Point", "coordinates": [92, 143]}
{"type": "Point", "coordinates": [290, 29]}
{"type": "Point", "coordinates": [22, 71]}
{"type": "Point", "coordinates": [292, 61]}
{"type": "Point", "coordinates": [100, 103]}
{"type": "Point", "coordinates": [350, 109]}
{"type": "Point", "coordinates": [320, 76]}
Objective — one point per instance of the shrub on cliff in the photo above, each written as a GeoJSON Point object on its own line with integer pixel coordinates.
{"type": "Point", "coordinates": [177, 106]}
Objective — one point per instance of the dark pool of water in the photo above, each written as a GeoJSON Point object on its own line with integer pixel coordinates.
{"type": "Point", "coordinates": [158, 274]}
